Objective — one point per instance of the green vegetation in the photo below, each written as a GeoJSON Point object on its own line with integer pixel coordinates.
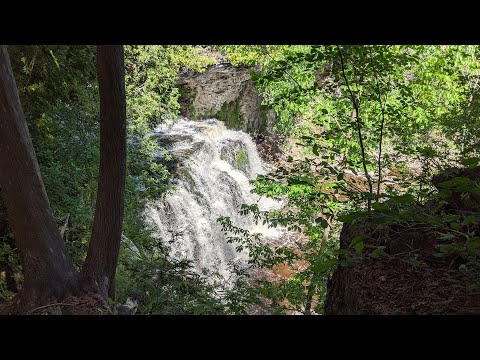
{"type": "Point", "coordinates": [230, 114]}
{"type": "Point", "coordinates": [186, 99]}
{"type": "Point", "coordinates": [263, 121]}
{"type": "Point", "coordinates": [241, 158]}
{"type": "Point", "coordinates": [360, 112]}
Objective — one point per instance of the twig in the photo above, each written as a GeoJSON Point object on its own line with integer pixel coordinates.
{"type": "Point", "coordinates": [48, 305]}
{"type": "Point", "coordinates": [405, 252]}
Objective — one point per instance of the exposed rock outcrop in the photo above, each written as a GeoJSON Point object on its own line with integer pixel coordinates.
{"type": "Point", "coordinates": [228, 94]}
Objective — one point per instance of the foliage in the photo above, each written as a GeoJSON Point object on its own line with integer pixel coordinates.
{"type": "Point", "coordinates": [8, 258]}
{"type": "Point", "coordinates": [58, 91]}
{"type": "Point", "coordinates": [51, 75]}
{"type": "Point", "coordinates": [162, 285]}
{"type": "Point", "coordinates": [360, 113]}
{"type": "Point", "coordinates": [304, 211]}
{"type": "Point", "coordinates": [230, 115]}
{"type": "Point", "coordinates": [151, 73]}
{"type": "Point", "coordinates": [249, 55]}
{"type": "Point", "coordinates": [305, 82]}
{"type": "Point", "coordinates": [243, 55]}
{"type": "Point", "coordinates": [241, 158]}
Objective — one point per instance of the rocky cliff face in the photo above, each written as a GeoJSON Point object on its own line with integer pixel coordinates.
{"type": "Point", "coordinates": [228, 94]}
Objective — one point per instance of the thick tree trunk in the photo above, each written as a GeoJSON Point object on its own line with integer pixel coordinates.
{"type": "Point", "coordinates": [48, 270]}
{"type": "Point", "coordinates": [100, 265]}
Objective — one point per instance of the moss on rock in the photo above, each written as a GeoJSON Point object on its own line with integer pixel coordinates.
{"type": "Point", "coordinates": [230, 115]}
{"type": "Point", "coordinates": [186, 99]}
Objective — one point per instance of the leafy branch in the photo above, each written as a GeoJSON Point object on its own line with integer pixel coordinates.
{"type": "Point", "coordinates": [382, 124]}
{"type": "Point", "coordinates": [359, 129]}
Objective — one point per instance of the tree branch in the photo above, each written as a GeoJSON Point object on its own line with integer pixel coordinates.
{"type": "Point", "coordinates": [359, 130]}
{"type": "Point", "coordinates": [381, 126]}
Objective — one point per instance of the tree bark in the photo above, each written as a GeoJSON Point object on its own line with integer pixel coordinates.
{"type": "Point", "coordinates": [47, 267]}
{"type": "Point", "coordinates": [100, 266]}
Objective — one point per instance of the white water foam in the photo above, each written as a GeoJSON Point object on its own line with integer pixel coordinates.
{"type": "Point", "coordinates": [211, 173]}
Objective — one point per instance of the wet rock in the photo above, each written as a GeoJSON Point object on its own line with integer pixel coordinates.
{"type": "Point", "coordinates": [129, 308]}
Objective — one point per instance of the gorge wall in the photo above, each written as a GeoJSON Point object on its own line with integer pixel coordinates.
{"type": "Point", "coordinates": [226, 93]}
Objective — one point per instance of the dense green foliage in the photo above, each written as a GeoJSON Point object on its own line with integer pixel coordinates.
{"type": "Point", "coordinates": [360, 113]}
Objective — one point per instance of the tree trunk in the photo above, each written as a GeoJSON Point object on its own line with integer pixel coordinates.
{"type": "Point", "coordinates": [308, 302]}
{"type": "Point", "coordinates": [48, 270]}
{"type": "Point", "coordinates": [100, 265]}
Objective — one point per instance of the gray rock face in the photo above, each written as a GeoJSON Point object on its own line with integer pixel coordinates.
{"type": "Point", "coordinates": [225, 93]}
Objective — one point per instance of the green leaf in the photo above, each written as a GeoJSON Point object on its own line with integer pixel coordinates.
{"type": "Point", "coordinates": [323, 223]}
{"type": "Point", "coordinates": [470, 162]}
{"type": "Point", "coordinates": [455, 226]}
{"type": "Point", "coordinates": [474, 244]}
{"type": "Point", "coordinates": [470, 219]}
{"type": "Point", "coordinates": [357, 239]}
{"type": "Point", "coordinates": [378, 252]}
{"type": "Point", "coordinates": [379, 207]}
{"type": "Point", "coordinates": [324, 265]}
{"type": "Point", "coordinates": [306, 137]}
{"type": "Point", "coordinates": [54, 59]}
{"type": "Point", "coordinates": [315, 149]}
{"type": "Point", "coordinates": [359, 247]}
{"type": "Point", "coordinates": [346, 218]}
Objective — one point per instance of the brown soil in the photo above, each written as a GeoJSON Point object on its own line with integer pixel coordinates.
{"type": "Point", "coordinates": [394, 286]}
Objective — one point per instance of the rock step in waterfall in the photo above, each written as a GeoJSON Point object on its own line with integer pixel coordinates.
{"type": "Point", "coordinates": [211, 167]}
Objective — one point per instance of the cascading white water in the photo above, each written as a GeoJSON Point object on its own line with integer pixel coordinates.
{"type": "Point", "coordinates": [211, 170]}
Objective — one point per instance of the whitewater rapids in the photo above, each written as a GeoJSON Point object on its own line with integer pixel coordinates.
{"type": "Point", "coordinates": [211, 167]}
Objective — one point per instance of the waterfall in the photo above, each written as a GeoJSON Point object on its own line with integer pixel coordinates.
{"type": "Point", "coordinates": [211, 167]}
